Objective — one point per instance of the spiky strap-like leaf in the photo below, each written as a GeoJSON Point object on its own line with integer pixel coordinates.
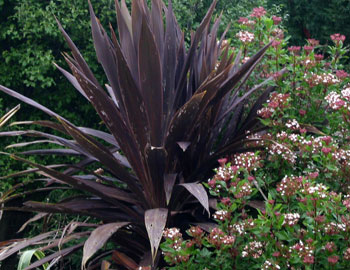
{"type": "Point", "coordinates": [98, 238]}
{"type": "Point", "coordinates": [155, 221]}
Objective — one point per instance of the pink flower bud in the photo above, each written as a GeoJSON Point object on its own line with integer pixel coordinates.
{"type": "Point", "coordinates": [226, 201]}
{"type": "Point", "coordinates": [318, 57]}
{"type": "Point", "coordinates": [327, 139]}
{"type": "Point", "coordinates": [212, 183]}
{"type": "Point", "coordinates": [251, 178]}
{"type": "Point", "coordinates": [222, 161]}
{"type": "Point", "coordinates": [313, 175]}
{"type": "Point", "coordinates": [333, 259]}
{"type": "Point", "coordinates": [276, 20]}
{"type": "Point", "coordinates": [326, 150]}
{"type": "Point", "coordinates": [302, 112]}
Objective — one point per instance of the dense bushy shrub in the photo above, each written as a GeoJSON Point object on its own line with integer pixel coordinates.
{"type": "Point", "coordinates": [286, 205]}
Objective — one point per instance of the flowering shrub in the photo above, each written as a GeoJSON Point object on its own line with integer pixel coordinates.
{"type": "Point", "coordinates": [286, 206]}
{"type": "Point", "coordinates": [301, 224]}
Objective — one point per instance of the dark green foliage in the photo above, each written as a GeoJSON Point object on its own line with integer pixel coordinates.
{"type": "Point", "coordinates": [190, 12]}
{"type": "Point", "coordinates": [315, 18]}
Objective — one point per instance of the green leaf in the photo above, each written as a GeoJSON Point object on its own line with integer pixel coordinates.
{"type": "Point", "coordinates": [283, 235]}
{"type": "Point", "coordinates": [26, 257]}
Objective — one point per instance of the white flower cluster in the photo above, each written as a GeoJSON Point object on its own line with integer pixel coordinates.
{"type": "Point", "coordinates": [246, 188]}
{"type": "Point", "coordinates": [245, 36]}
{"type": "Point", "coordinates": [221, 215]}
{"type": "Point", "coordinates": [257, 137]}
{"type": "Point", "coordinates": [346, 93]}
{"type": "Point", "coordinates": [337, 101]}
{"type": "Point", "coordinates": [172, 233]}
{"type": "Point", "coordinates": [246, 160]}
{"type": "Point", "coordinates": [277, 32]}
{"type": "Point", "coordinates": [334, 100]}
{"type": "Point", "coordinates": [346, 254]}
{"type": "Point", "coordinates": [343, 156]}
{"type": "Point", "coordinates": [282, 135]}
{"type": "Point", "coordinates": [237, 228]}
{"type": "Point", "coordinates": [291, 219]}
{"type": "Point", "coordinates": [301, 248]}
{"type": "Point", "coordinates": [283, 151]}
{"type": "Point", "coordinates": [293, 124]}
{"type": "Point", "coordinates": [253, 249]}
{"type": "Point", "coordinates": [334, 228]}
{"type": "Point", "coordinates": [248, 22]}
{"type": "Point", "coordinates": [319, 189]}
{"type": "Point", "coordinates": [265, 112]}
{"type": "Point", "coordinates": [325, 78]}
{"type": "Point", "coordinates": [268, 264]}
{"type": "Point", "coordinates": [228, 239]}
{"type": "Point", "coordinates": [224, 172]}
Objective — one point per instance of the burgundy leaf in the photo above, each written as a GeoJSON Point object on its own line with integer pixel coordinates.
{"type": "Point", "coordinates": [44, 123]}
{"type": "Point", "coordinates": [24, 144]}
{"type": "Point", "coordinates": [155, 221]}
{"type": "Point", "coordinates": [156, 159]}
{"type": "Point", "coordinates": [133, 100]}
{"type": "Point", "coordinates": [17, 246]}
{"type": "Point", "coordinates": [198, 191]}
{"type": "Point", "coordinates": [169, 181]}
{"type": "Point", "coordinates": [240, 73]}
{"type": "Point", "coordinates": [136, 18]}
{"type": "Point", "coordinates": [35, 218]}
{"type": "Point", "coordinates": [199, 33]}
{"type": "Point", "coordinates": [99, 151]}
{"type": "Point", "coordinates": [257, 204]}
{"type": "Point", "coordinates": [157, 25]}
{"type": "Point", "coordinates": [34, 133]}
{"type": "Point", "coordinates": [124, 260]}
{"type": "Point", "coordinates": [28, 101]}
{"type": "Point", "coordinates": [183, 119]}
{"type": "Point", "coordinates": [98, 238]}
{"type": "Point", "coordinates": [109, 194]}
{"type": "Point", "coordinates": [72, 80]}
{"type": "Point", "coordinates": [169, 60]}
{"type": "Point", "coordinates": [33, 170]}
{"type": "Point", "coordinates": [64, 152]}
{"type": "Point", "coordinates": [105, 54]}
{"type": "Point", "coordinates": [127, 43]}
{"type": "Point", "coordinates": [83, 67]}
{"type": "Point", "coordinates": [114, 121]}
{"type": "Point", "coordinates": [151, 82]}
{"type": "Point", "coordinates": [183, 145]}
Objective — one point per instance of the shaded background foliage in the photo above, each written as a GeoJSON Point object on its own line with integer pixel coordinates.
{"type": "Point", "coordinates": [314, 18]}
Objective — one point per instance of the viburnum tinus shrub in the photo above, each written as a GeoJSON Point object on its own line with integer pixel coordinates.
{"type": "Point", "coordinates": [308, 102]}
{"type": "Point", "coordinates": [301, 225]}
{"type": "Point", "coordinates": [286, 206]}
{"type": "Point", "coordinates": [308, 113]}
{"type": "Point", "coordinates": [163, 108]}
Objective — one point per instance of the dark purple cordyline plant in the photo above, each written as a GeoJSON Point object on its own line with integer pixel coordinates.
{"type": "Point", "coordinates": [164, 105]}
